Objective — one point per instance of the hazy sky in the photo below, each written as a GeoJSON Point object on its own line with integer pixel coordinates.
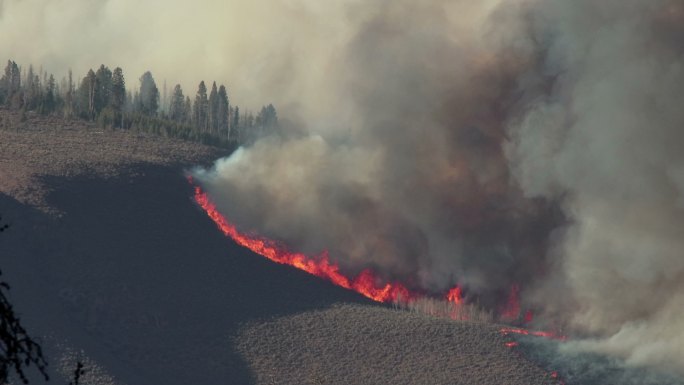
{"type": "Point", "coordinates": [263, 50]}
{"type": "Point", "coordinates": [251, 46]}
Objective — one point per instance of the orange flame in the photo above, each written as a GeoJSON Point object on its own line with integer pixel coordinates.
{"type": "Point", "coordinates": [366, 283]}
{"type": "Point", "coordinates": [512, 309]}
{"type": "Point", "coordinates": [455, 295]}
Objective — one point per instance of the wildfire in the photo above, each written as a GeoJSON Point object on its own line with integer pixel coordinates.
{"type": "Point", "coordinates": [512, 309]}
{"type": "Point", "coordinates": [455, 295]}
{"type": "Point", "coordinates": [366, 283]}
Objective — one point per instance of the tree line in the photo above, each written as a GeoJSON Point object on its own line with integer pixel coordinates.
{"type": "Point", "coordinates": [102, 96]}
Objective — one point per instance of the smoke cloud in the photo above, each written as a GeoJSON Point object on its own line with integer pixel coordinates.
{"type": "Point", "coordinates": [531, 142]}
{"type": "Point", "coordinates": [410, 176]}
{"type": "Point", "coordinates": [607, 140]}
{"type": "Point", "coordinates": [489, 143]}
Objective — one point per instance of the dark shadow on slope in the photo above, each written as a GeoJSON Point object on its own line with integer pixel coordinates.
{"type": "Point", "coordinates": [147, 284]}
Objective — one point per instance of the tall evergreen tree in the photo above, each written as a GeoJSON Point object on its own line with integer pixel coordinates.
{"type": "Point", "coordinates": [117, 99]}
{"type": "Point", "coordinates": [103, 90]}
{"type": "Point", "coordinates": [177, 105]}
{"type": "Point", "coordinates": [187, 110]}
{"type": "Point", "coordinates": [70, 97]}
{"type": "Point", "coordinates": [86, 96]}
{"type": "Point", "coordinates": [222, 112]}
{"type": "Point", "coordinates": [149, 95]}
{"type": "Point", "coordinates": [10, 84]}
{"type": "Point", "coordinates": [201, 108]}
{"type": "Point", "coordinates": [49, 100]}
{"type": "Point", "coordinates": [235, 126]}
{"type": "Point", "coordinates": [30, 94]}
{"type": "Point", "coordinates": [213, 109]}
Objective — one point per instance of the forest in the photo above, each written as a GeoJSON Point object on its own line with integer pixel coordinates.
{"type": "Point", "coordinates": [102, 96]}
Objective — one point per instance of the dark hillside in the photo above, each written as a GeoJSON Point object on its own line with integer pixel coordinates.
{"type": "Point", "coordinates": [112, 262]}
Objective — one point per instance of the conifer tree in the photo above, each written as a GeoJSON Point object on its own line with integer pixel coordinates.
{"type": "Point", "coordinates": [201, 108]}
{"type": "Point", "coordinates": [177, 106]}
{"type": "Point", "coordinates": [103, 88]}
{"type": "Point", "coordinates": [213, 110]}
{"type": "Point", "coordinates": [117, 99]}
{"type": "Point", "coordinates": [222, 112]}
{"type": "Point", "coordinates": [149, 95]}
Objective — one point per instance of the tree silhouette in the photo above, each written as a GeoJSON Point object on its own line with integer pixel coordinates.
{"type": "Point", "coordinates": [17, 349]}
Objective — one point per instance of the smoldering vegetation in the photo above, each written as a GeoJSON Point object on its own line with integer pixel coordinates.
{"type": "Point", "coordinates": [490, 144]}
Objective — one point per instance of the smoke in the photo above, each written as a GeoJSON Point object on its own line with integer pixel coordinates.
{"type": "Point", "coordinates": [410, 177]}
{"type": "Point", "coordinates": [607, 139]}
{"type": "Point", "coordinates": [488, 143]}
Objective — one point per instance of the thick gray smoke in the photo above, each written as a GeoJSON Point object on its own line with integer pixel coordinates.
{"type": "Point", "coordinates": [410, 177]}
{"type": "Point", "coordinates": [493, 143]}
{"type": "Point", "coordinates": [607, 138]}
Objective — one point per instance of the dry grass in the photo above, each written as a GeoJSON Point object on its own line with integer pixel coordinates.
{"type": "Point", "coordinates": [444, 309]}
{"type": "Point", "coordinates": [356, 344]}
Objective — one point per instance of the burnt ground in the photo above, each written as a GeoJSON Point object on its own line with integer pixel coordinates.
{"type": "Point", "coordinates": [112, 263]}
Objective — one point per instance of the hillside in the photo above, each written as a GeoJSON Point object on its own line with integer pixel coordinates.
{"type": "Point", "coordinates": [111, 262]}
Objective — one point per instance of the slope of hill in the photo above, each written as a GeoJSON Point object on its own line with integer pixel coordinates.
{"type": "Point", "coordinates": [112, 263]}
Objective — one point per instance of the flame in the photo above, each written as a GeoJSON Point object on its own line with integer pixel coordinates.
{"type": "Point", "coordinates": [511, 311]}
{"type": "Point", "coordinates": [366, 283]}
{"type": "Point", "coordinates": [455, 295]}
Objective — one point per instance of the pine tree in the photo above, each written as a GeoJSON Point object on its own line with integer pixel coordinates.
{"type": "Point", "coordinates": [222, 111]}
{"type": "Point", "coordinates": [11, 83]}
{"type": "Point", "coordinates": [49, 101]}
{"type": "Point", "coordinates": [117, 99]}
{"type": "Point", "coordinates": [70, 97]}
{"type": "Point", "coordinates": [86, 96]}
{"type": "Point", "coordinates": [103, 90]}
{"type": "Point", "coordinates": [235, 126]}
{"type": "Point", "coordinates": [149, 95]}
{"type": "Point", "coordinates": [201, 108]}
{"type": "Point", "coordinates": [177, 106]}
{"type": "Point", "coordinates": [213, 110]}
{"type": "Point", "coordinates": [187, 110]}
